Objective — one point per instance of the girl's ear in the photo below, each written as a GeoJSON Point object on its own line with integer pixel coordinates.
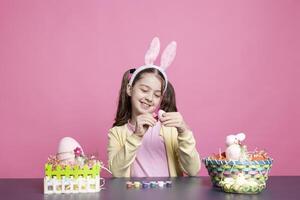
{"type": "Point", "coordinates": [128, 90]}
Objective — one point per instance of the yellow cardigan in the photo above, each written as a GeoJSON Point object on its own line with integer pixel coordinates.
{"type": "Point", "coordinates": [182, 155]}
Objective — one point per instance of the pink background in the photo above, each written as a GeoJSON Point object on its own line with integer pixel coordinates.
{"type": "Point", "coordinates": [61, 62]}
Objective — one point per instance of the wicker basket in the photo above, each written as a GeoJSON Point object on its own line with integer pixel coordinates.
{"type": "Point", "coordinates": [218, 170]}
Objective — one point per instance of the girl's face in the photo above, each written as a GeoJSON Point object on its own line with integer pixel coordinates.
{"type": "Point", "coordinates": [146, 94]}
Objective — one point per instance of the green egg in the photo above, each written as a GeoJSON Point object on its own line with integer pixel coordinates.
{"type": "Point", "coordinates": [236, 188]}
{"type": "Point", "coordinates": [226, 166]}
{"type": "Point", "coordinates": [240, 166]}
{"type": "Point", "coordinates": [246, 188]}
{"type": "Point", "coordinates": [227, 187]}
{"type": "Point", "coordinates": [254, 188]}
{"type": "Point", "coordinates": [258, 176]}
{"type": "Point", "coordinates": [262, 179]}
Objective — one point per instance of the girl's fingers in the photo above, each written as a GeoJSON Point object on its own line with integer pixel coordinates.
{"type": "Point", "coordinates": [172, 118]}
{"type": "Point", "coordinates": [168, 117]}
{"type": "Point", "coordinates": [150, 118]}
{"type": "Point", "coordinates": [163, 119]}
{"type": "Point", "coordinates": [147, 121]}
{"type": "Point", "coordinates": [146, 117]}
{"type": "Point", "coordinates": [176, 122]}
{"type": "Point", "coordinates": [172, 125]}
{"type": "Point", "coordinates": [171, 115]}
{"type": "Point", "coordinates": [142, 127]}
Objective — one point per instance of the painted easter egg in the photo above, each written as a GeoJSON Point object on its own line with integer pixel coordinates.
{"type": "Point", "coordinates": [160, 114]}
{"type": "Point", "coordinates": [66, 148]}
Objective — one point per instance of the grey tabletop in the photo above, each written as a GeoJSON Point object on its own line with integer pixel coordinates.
{"type": "Point", "coordinates": [278, 187]}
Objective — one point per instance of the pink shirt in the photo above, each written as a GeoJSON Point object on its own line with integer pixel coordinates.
{"type": "Point", "coordinates": [151, 158]}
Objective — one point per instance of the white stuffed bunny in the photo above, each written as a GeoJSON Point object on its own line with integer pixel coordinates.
{"type": "Point", "coordinates": [234, 150]}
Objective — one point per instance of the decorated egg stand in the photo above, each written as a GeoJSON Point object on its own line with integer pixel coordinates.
{"type": "Point", "coordinates": [237, 170]}
{"type": "Point", "coordinates": [70, 171]}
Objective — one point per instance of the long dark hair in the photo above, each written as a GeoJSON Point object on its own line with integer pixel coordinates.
{"type": "Point", "coordinates": [123, 114]}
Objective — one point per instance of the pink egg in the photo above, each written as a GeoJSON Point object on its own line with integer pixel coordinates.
{"type": "Point", "coordinates": [66, 149]}
{"type": "Point", "coordinates": [160, 114]}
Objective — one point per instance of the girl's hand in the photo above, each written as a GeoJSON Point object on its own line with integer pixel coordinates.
{"type": "Point", "coordinates": [174, 119]}
{"type": "Point", "coordinates": [143, 122]}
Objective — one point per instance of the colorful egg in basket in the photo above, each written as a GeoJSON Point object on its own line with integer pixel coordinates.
{"type": "Point", "coordinates": [248, 177]}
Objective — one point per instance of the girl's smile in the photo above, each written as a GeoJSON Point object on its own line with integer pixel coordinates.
{"type": "Point", "coordinates": [145, 106]}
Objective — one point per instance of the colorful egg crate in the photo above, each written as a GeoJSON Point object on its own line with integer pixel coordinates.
{"type": "Point", "coordinates": [72, 178]}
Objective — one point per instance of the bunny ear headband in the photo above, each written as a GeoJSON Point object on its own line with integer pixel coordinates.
{"type": "Point", "coordinates": [166, 59]}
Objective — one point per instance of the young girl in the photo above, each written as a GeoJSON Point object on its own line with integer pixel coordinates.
{"type": "Point", "coordinates": [143, 143]}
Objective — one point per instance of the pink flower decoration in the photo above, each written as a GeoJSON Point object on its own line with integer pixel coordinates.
{"type": "Point", "coordinates": [78, 151]}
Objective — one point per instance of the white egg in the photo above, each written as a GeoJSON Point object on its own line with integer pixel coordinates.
{"type": "Point", "coordinates": [240, 180]}
{"type": "Point", "coordinates": [229, 180]}
{"type": "Point", "coordinates": [160, 114]}
{"type": "Point", "coordinates": [66, 148]}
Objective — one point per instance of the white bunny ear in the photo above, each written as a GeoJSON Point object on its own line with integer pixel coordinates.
{"type": "Point", "coordinates": [152, 52]}
{"type": "Point", "coordinates": [168, 55]}
{"type": "Point", "coordinates": [241, 136]}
